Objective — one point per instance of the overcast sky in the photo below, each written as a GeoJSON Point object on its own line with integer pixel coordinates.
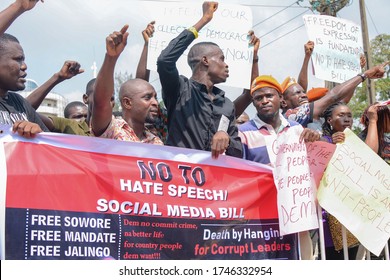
{"type": "Point", "coordinates": [58, 30]}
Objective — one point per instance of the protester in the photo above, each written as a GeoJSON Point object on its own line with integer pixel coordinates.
{"type": "Point", "coordinates": [137, 97]}
{"type": "Point", "coordinates": [298, 108]}
{"type": "Point", "coordinates": [266, 92]}
{"type": "Point", "coordinates": [13, 107]}
{"type": "Point", "coordinates": [14, 110]}
{"type": "Point", "coordinates": [269, 122]}
{"type": "Point", "coordinates": [160, 125]}
{"type": "Point", "coordinates": [76, 110]}
{"type": "Point", "coordinates": [199, 115]}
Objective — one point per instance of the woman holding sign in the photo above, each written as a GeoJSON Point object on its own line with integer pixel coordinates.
{"type": "Point", "coordinates": [337, 117]}
{"type": "Point", "coordinates": [376, 119]}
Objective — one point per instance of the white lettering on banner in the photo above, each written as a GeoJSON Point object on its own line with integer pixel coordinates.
{"type": "Point", "coordinates": [296, 187]}
{"type": "Point", "coordinates": [338, 45]}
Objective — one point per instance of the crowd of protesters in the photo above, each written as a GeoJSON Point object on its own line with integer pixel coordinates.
{"type": "Point", "coordinates": [194, 113]}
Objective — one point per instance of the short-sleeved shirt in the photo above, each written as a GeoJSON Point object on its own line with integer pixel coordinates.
{"type": "Point", "coordinates": [302, 114]}
{"type": "Point", "coordinates": [253, 133]}
{"type": "Point", "coordinates": [119, 129]}
{"type": "Point", "coordinates": [13, 108]}
{"type": "Point", "coordinates": [69, 126]}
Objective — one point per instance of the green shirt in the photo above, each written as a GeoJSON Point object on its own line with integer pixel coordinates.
{"type": "Point", "coordinates": [69, 126]}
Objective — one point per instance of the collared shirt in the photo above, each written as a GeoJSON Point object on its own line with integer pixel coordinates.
{"type": "Point", "coordinates": [119, 129]}
{"type": "Point", "coordinates": [193, 118]}
{"type": "Point", "coordinates": [253, 137]}
{"type": "Point", "coordinates": [69, 126]}
{"type": "Point", "coordinates": [13, 107]}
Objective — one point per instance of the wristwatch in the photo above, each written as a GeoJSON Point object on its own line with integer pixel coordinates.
{"type": "Point", "coordinates": [363, 76]}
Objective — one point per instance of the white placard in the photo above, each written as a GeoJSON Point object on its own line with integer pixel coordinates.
{"type": "Point", "coordinates": [337, 47]}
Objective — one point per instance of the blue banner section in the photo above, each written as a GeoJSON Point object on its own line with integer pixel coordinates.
{"type": "Point", "coordinates": [45, 234]}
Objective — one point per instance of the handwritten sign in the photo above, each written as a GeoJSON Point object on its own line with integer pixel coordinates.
{"type": "Point", "coordinates": [107, 199]}
{"type": "Point", "coordinates": [356, 190]}
{"type": "Point", "coordinates": [319, 154]}
{"type": "Point", "coordinates": [228, 29]}
{"type": "Point", "coordinates": [296, 189]}
{"type": "Point", "coordinates": [338, 45]}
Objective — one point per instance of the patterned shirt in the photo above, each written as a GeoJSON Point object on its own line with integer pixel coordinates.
{"type": "Point", "coordinates": [302, 114]}
{"type": "Point", "coordinates": [119, 129]}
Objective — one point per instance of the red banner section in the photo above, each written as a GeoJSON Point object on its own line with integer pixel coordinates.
{"type": "Point", "coordinates": [81, 201]}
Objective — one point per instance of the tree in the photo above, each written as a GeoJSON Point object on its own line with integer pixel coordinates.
{"type": "Point", "coordinates": [380, 49]}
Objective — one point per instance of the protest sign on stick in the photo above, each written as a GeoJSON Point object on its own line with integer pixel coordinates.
{"type": "Point", "coordinates": [338, 45]}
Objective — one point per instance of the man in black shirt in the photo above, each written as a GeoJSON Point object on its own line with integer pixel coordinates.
{"type": "Point", "coordinates": [13, 107]}
{"type": "Point", "coordinates": [199, 115]}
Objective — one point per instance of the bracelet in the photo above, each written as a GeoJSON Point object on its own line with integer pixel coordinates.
{"type": "Point", "coordinates": [194, 31]}
{"type": "Point", "coordinates": [255, 60]}
{"type": "Point", "coordinates": [363, 76]}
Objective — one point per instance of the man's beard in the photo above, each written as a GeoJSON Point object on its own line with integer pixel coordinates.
{"type": "Point", "coordinates": [150, 119]}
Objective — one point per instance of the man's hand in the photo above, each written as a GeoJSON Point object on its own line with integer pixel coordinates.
{"type": "Point", "coordinates": [27, 5]}
{"type": "Point", "coordinates": [377, 71]}
{"type": "Point", "coordinates": [116, 42]}
{"type": "Point", "coordinates": [148, 32]}
{"type": "Point", "coordinates": [26, 129]}
{"type": "Point", "coordinates": [209, 7]}
{"type": "Point", "coordinates": [219, 143]}
{"type": "Point", "coordinates": [69, 70]}
{"type": "Point", "coordinates": [309, 135]}
{"type": "Point", "coordinates": [254, 41]}
{"type": "Point", "coordinates": [309, 47]}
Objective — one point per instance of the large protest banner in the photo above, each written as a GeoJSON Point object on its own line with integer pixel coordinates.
{"type": "Point", "coordinates": [74, 197]}
{"type": "Point", "coordinates": [356, 190]}
{"type": "Point", "coordinates": [338, 45]}
{"type": "Point", "coordinates": [228, 29]}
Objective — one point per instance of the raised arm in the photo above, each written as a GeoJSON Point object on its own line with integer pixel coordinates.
{"type": "Point", "coordinates": [372, 139]}
{"type": "Point", "coordinates": [243, 101]}
{"type": "Point", "coordinates": [166, 62]}
{"type": "Point", "coordinates": [142, 72]}
{"type": "Point", "coordinates": [68, 71]}
{"type": "Point", "coordinates": [9, 14]}
{"type": "Point", "coordinates": [209, 8]}
{"type": "Point", "coordinates": [302, 78]}
{"type": "Point", "coordinates": [346, 89]}
{"type": "Point", "coordinates": [104, 85]}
